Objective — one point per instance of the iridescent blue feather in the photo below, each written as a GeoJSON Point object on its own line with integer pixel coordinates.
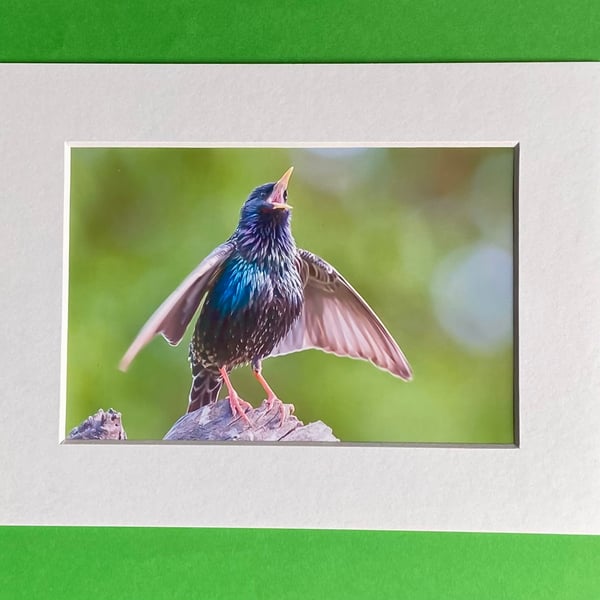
{"type": "Point", "coordinates": [256, 296]}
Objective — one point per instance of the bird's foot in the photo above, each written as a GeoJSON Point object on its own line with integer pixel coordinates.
{"type": "Point", "coordinates": [271, 399]}
{"type": "Point", "coordinates": [239, 407]}
{"type": "Point", "coordinates": [284, 412]}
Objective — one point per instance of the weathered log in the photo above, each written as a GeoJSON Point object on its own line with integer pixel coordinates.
{"type": "Point", "coordinates": [215, 422]}
{"type": "Point", "coordinates": [101, 426]}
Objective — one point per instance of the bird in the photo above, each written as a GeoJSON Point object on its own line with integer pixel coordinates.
{"type": "Point", "coordinates": [262, 297]}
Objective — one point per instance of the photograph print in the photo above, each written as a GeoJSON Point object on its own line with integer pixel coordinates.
{"type": "Point", "coordinates": [308, 295]}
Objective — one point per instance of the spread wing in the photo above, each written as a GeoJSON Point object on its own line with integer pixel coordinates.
{"type": "Point", "coordinates": [337, 320]}
{"type": "Point", "coordinates": [174, 315]}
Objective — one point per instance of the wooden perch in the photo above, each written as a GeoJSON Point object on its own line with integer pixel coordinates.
{"type": "Point", "coordinates": [101, 426]}
{"type": "Point", "coordinates": [215, 422]}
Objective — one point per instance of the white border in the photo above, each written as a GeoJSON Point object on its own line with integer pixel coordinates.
{"type": "Point", "coordinates": [62, 420]}
{"type": "Point", "coordinates": [551, 483]}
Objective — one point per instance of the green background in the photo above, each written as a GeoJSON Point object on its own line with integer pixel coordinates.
{"type": "Point", "coordinates": [166, 563]}
{"type": "Point", "coordinates": [424, 234]}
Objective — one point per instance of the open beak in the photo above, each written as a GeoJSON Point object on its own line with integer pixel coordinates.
{"type": "Point", "coordinates": [279, 197]}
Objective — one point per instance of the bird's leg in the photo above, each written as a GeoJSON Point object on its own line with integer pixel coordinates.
{"type": "Point", "coordinates": [271, 396]}
{"type": "Point", "coordinates": [238, 406]}
{"type": "Point", "coordinates": [257, 370]}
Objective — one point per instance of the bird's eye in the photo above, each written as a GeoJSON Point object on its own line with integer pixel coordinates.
{"type": "Point", "coordinates": [285, 195]}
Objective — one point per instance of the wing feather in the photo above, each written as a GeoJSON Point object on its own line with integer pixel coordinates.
{"type": "Point", "coordinates": [337, 320]}
{"type": "Point", "coordinates": [174, 315]}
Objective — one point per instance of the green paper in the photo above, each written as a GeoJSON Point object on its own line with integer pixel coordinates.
{"type": "Point", "coordinates": [71, 562]}
{"type": "Point", "coordinates": [298, 31]}
{"type": "Point", "coordinates": [76, 562]}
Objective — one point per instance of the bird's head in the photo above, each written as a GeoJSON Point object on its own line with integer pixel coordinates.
{"type": "Point", "coordinates": [268, 202]}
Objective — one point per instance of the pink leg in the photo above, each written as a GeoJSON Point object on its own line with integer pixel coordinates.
{"type": "Point", "coordinates": [271, 396]}
{"type": "Point", "coordinates": [238, 406]}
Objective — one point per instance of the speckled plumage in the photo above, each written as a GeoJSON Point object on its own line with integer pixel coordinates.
{"type": "Point", "coordinates": [263, 297]}
{"type": "Point", "coordinates": [253, 299]}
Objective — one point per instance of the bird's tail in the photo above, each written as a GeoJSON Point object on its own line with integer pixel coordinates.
{"type": "Point", "coordinates": [205, 388]}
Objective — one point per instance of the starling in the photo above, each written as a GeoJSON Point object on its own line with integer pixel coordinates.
{"type": "Point", "coordinates": [265, 297]}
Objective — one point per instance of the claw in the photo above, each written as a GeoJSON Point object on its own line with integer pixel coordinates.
{"type": "Point", "coordinates": [281, 408]}
{"type": "Point", "coordinates": [271, 399]}
{"type": "Point", "coordinates": [239, 407]}
{"type": "Point", "coordinates": [283, 414]}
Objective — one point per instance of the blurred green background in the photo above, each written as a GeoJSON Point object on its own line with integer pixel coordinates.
{"type": "Point", "coordinates": [424, 235]}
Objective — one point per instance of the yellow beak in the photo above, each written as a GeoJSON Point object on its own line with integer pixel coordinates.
{"type": "Point", "coordinates": [277, 197]}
